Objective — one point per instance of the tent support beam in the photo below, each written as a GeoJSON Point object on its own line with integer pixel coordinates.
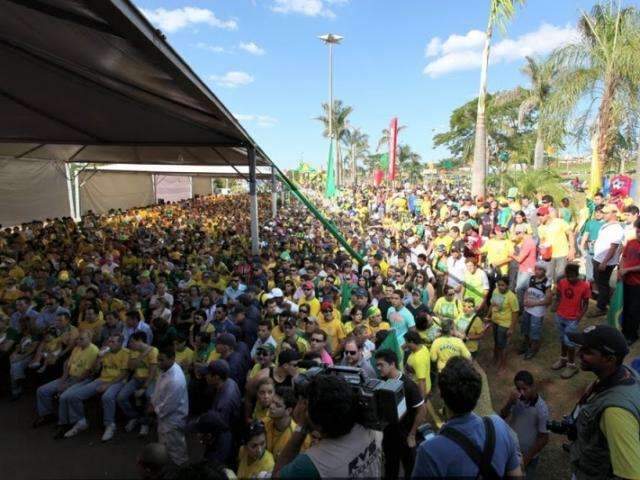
{"type": "Point", "coordinates": [253, 201]}
{"type": "Point", "coordinates": [274, 194]}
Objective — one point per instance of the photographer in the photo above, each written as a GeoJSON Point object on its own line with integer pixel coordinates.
{"type": "Point", "coordinates": [467, 441]}
{"type": "Point", "coordinates": [346, 450]}
{"type": "Point", "coordinates": [399, 441]}
{"type": "Point", "coordinates": [607, 417]}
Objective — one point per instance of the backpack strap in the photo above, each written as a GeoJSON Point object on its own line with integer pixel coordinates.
{"type": "Point", "coordinates": [481, 459]}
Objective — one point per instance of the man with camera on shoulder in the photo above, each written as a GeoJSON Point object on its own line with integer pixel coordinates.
{"type": "Point", "coordinates": [467, 446]}
{"type": "Point", "coordinates": [605, 424]}
{"type": "Point", "coordinates": [329, 406]}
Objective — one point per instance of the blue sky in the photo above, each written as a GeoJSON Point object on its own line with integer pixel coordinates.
{"type": "Point", "coordinates": [414, 59]}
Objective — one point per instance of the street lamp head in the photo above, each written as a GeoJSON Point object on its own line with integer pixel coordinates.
{"type": "Point", "coordinates": [331, 38]}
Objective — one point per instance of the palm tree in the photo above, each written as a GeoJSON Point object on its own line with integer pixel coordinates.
{"type": "Point", "coordinates": [384, 137]}
{"type": "Point", "coordinates": [542, 76]}
{"type": "Point", "coordinates": [500, 11]}
{"type": "Point", "coordinates": [341, 113]}
{"type": "Point", "coordinates": [409, 163]}
{"type": "Point", "coordinates": [603, 65]}
{"type": "Point", "coordinates": [357, 144]}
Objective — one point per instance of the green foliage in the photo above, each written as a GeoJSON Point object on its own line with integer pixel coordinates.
{"type": "Point", "coordinates": [530, 181]}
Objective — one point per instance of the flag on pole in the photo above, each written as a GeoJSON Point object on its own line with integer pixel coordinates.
{"type": "Point", "coordinates": [393, 143]}
{"type": "Point", "coordinates": [330, 190]}
{"type": "Point", "coordinates": [614, 315]}
{"type": "Point", "coordinates": [383, 165]}
{"type": "Point", "coordinates": [390, 343]}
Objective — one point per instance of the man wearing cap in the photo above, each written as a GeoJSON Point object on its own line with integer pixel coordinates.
{"type": "Point", "coordinates": [557, 235]}
{"type": "Point", "coordinates": [226, 347]}
{"type": "Point", "coordinates": [606, 254]}
{"type": "Point", "coordinates": [309, 298]}
{"type": "Point", "coordinates": [281, 303]}
{"type": "Point", "coordinates": [227, 400]}
{"type": "Point", "coordinates": [607, 417]}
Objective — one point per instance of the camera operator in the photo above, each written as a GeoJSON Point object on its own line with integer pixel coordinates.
{"type": "Point", "coordinates": [607, 417]}
{"type": "Point", "coordinates": [346, 450]}
{"type": "Point", "coordinates": [467, 445]}
{"type": "Point", "coordinates": [399, 442]}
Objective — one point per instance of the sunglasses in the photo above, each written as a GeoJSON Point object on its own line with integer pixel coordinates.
{"type": "Point", "coordinates": [262, 353]}
{"type": "Point", "coordinates": [307, 289]}
{"type": "Point", "coordinates": [351, 352]}
{"type": "Point", "coordinates": [316, 340]}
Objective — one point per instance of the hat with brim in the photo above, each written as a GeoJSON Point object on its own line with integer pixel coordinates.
{"type": "Point", "coordinates": [604, 338]}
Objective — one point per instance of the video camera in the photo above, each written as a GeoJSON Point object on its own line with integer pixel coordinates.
{"type": "Point", "coordinates": [566, 426]}
{"type": "Point", "coordinates": [380, 402]}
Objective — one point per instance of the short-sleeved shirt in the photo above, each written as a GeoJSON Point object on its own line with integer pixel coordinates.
{"type": "Point", "coordinates": [592, 229]}
{"type": "Point", "coordinates": [185, 358]}
{"type": "Point", "coordinates": [537, 291]}
{"type": "Point", "coordinates": [462, 325]}
{"type": "Point", "coordinates": [440, 457]}
{"type": "Point", "coordinates": [414, 400]}
{"type": "Point", "coordinates": [610, 234]}
{"type": "Point", "coordinates": [447, 309]}
{"type": "Point", "coordinates": [477, 281]}
{"type": "Point", "coordinates": [528, 420]}
{"type": "Point", "coordinates": [114, 365]}
{"type": "Point", "coordinates": [445, 348]}
{"type": "Point", "coordinates": [420, 363]}
{"type": "Point", "coordinates": [631, 258]}
{"type": "Point", "coordinates": [498, 251]}
{"type": "Point", "coordinates": [554, 233]}
{"type": "Point", "coordinates": [256, 469]}
{"type": "Point", "coordinates": [400, 320]}
{"type": "Point", "coordinates": [572, 297]}
{"type": "Point", "coordinates": [504, 306]}
{"type": "Point", "coordinates": [82, 359]}
{"type": "Point", "coordinates": [142, 370]}
{"type": "Point", "coordinates": [622, 430]}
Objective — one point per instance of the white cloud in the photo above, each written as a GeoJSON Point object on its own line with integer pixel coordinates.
{"type": "Point", "coordinates": [252, 48]}
{"type": "Point", "coordinates": [232, 79]}
{"type": "Point", "coordinates": [310, 8]}
{"type": "Point", "coordinates": [264, 121]}
{"type": "Point", "coordinates": [211, 48]}
{"type": "Point", "coordinates": [173, 20]}
{"type": "Point", "coordinates": [464, 52]}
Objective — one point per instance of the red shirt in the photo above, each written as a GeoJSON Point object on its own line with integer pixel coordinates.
{"type": "Point", "coordinates": [631, 258]}
{"type": "Point", "coordinates": [572, 298]}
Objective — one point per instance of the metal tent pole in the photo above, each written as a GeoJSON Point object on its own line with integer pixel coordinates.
{"type": "Point", "coordinates": [274, 194]}
{"type": "Point", "coordinates": [253, 201]}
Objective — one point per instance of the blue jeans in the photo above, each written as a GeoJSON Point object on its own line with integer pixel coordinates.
{"type": "Point", "coordinates": [46, 392]}
{"type": "Point", "coordinates": [124, 396]}
{"type": "Point", "coordinates": [17, 372]}
{"type": "Point", "coordinates": [71, 409]}
{"type": "Point", "coordinates": [565, 326]}
{"type": "Point", "coordinates": [531, 326]}
{"type": "Point", "coordinates": [522, 283]}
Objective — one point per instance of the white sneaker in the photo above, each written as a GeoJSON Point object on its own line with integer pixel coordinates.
{"type": "Point", "coordinates": [80, 426]}
{"type": "Point", "coordinates": [108, 432]}
{"type": "Point", "coordinates": [131, 425]}
{"type": "Point", "coordinates": [144, 431]}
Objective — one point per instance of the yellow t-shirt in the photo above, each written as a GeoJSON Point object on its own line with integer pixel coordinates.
{"type": "Point", "coordinates": [447, 241]}
{"type": "Point", "coordinates": [277, 440]}
{"type": "Point", "coordinates": [350, 327]}
{"type": "Point", "coordinates": [381, 326]}
{"type": "Point", "coordinates": [277, 334]}
{"type": "Point", "coordinates": [151, 358]}
{"type": "Point", "coordinates": [555, 234]}
{"type": "Point", "coordinates": [301, 344]}
{"type": "Point", "coordinates": [504, 305]}
{"type": "Point", "coordinates": [334, 330]}
{"type": "Point", "coordinates": [114, 365]}
{"type": "Point", "coordinates": [445, 348]}
{"type": "Point", "coordinates": [260, 413]}
{"type": "Point", "coordinates": [462, 323]}
{"type": "Point", "coordinates": [623, 438]}
{"type": "Point", "coordinates": [314, 305]}
{"type": "Point", "coordinates": [94, 327]}
{"type": "Point", "coordinates": [82, 359]}
{"type": "Point", "coordinates": [253, 469]}
{"type": "Point", "coordinates": [498, 251]}
{"type": "Point", "coordinates": [185, 358]}
{"type": "Point", "coordinates": [420, 362]}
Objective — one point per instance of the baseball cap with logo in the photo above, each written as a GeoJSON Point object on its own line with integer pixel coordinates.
{"type": "Point", "coordinates": [604, 338]}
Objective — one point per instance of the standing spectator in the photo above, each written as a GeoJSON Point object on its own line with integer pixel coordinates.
{"type": "Point", "coordinates": [399, 316]}
{"type": "Point", "coordinates": [449, 454]}
{"type": "Point", "coordinates": [606, 254]}
{"type": "Point", "coordinates": [537, 298]}
{"type": "Point", "coordinates": [573, 300]}
{"type": "Point", "coordinates": [170, 402]}
{"type": "Point", "coordinates": [255, 461]}
{"type": "Point", "coordinates": [629, 273]}
{"type": "Point", "coordinates": [447, 346]}
{"type": "Point", "coordinates": [525, 258]}
{"type": "Point", "coordinates": [555, 235]}
{"type": "Point", "coordinates": [353, 357]}
{"type": "Point", "coordinates": [527, 414]}
{"type": "Point", "coordinates": [590, 235]}
{"type": "Point", "coordinates": [631, 214]}
{"type": "Point", "coordinates": [504, 315]}
{"type": "Point", "coordinates": [476, 284]}
{"type": "Point", "coordinates": [399, 440]}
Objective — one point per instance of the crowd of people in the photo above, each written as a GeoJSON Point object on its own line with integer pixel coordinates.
{"type": "Point", "coordinates": [165, 315]}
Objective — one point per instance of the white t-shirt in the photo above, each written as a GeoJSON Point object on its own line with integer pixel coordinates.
{"type": "Point", "coordinates": [610, 233]}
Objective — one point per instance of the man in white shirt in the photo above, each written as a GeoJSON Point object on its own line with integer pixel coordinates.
{"type": "Point", "coordinates": [170, 402]}
{"type": "Point", "coordinates": [161, 292]}
{"type": "Point", "coordinates": [606, 255]}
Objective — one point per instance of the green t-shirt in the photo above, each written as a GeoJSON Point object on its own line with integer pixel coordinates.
{"type": "Point", "coordinates": [300, 467]}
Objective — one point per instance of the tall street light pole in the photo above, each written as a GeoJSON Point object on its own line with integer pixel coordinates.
{"type": "Point", "coordinates": [331, 40]}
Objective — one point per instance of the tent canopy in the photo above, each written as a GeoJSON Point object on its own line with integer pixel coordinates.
{"type": "Point", "coordinates": [94, 81]}
{"type": "Point", "coordinates": [238, 172]}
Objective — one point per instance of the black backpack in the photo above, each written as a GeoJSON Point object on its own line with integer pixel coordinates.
{"type": "Point", "coordinates": [481, 458]}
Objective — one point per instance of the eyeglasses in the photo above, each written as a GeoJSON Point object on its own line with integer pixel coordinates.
{"type": "Point", "coordinates": [351, 352]}
{"type": "Point", "coordinates": [307, 289]}
{"type": "Point", "coordinates": [262, 353]}
{"type": "Point", "coordinates": [316, 340]}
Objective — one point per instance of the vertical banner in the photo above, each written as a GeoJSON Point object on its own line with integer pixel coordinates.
{"type": "Point", "coordinates": [393, 143]}
{"type": "Point", "coordinates": [330, 190]}
{"type": "Point", "coordinates": [378, 177]}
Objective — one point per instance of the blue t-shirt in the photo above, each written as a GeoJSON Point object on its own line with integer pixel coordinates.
{"type": "Point", "coordinates": [402, 326]}
{"type": "Point", "coordinates": [441, 457]}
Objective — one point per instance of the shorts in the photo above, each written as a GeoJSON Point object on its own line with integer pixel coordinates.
{"type": "Point", "coordinates": [565, 326]}
{"type": "Point", "coordinates": [531, 326]}
{"type": "Point", "coordinates": [500, 336]}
